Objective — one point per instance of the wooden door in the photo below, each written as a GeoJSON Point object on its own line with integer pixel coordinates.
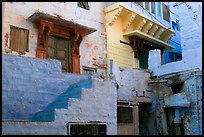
{"type": "Point", "coordinates": [125, 125]}
{"type": "Point", "coordinates": [59, 48]}
{"type": "Point", "coordinates": [143, 59]}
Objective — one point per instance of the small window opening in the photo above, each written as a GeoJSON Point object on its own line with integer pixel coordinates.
{"type": "Point", "coordinates": [153, 7]}
{"type": "Point", "coordinates": [87, 129]}
{"type": "Point", "coordinates": [159, 9]}
{"type": "Point", "coordinates": [88, 70]}
{"type": "Point", "coordinates": [83, 5]}
{"type": "Point", "coordinates": [166, 14]}
{"type": "Point", "coordinates": [124, 114]}
{"type": "Point", "coordinates": [19, 39]}
{"type": "Point", "coordinates": [147, 5]}
{"type": "Point", "coordinates": [177, 87]}
{"type": "Point", "coordinates": [177, 25]}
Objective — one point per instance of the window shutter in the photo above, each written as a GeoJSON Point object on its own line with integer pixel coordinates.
{"type": "Point", "coordinates": [18, 39]}
{"type": "Point", "coordinates": [166, 14]}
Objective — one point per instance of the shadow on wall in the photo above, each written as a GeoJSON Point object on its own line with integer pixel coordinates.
{"type": "Point", "coordinates": [74, 91]}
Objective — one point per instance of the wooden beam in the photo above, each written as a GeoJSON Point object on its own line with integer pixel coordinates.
{"type": "Point", "coordinates": [153, 29]}
{"type": "Point", "coordinates": [112, 16]}
{"type": "Point", "coordinates": [141, 24]}
{"type": "Point", "coordinates": [127, 22]}
{"type": "Point", "coordinates": [147, 27]}
{"type": "Point", "coordinates": [158, 33]}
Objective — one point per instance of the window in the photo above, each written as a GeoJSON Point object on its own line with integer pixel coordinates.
{"type": "Point", "coordinates": [175, 56]}
{"type": "Point", "coordinates": [19, 39]}
{"type": "Point", "coordinates": [147, 5]}
{"type": "Point", "coordinates": [124, 114]}
{"type": "Point", "coordinates": [87, 129]}
{"type": "Point", "coordinates": [166, 14]}
{"type": "Point", "coordinates": [153, 7]}
{"type": "Point", "coordinates": [174, 25]}
{"type": "Point", "coordinates": [159, 9]}
{"type": "Point", "coordinates": [139, 3]}
{"type": "Point", "coordinates": [177, 25]}
{"type": "Point", "coordinates": [83, 5]}
{"type": "Point", "coordinates": [88, 70]}
{"type": "Point", "coordinates": [177, 87]}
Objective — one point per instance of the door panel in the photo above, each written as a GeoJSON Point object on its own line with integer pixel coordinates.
{"type": "Point", "coordinates": [51, 52]}
{"type": "Point", "coordinates": [58, 49]}
{"type": "Point", "coordinates": [61, 55]}
{"type": "Point", "coordinates": [125, 129]}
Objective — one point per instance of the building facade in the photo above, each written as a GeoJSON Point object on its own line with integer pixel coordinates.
{"type": "Point", "coordinates": [129, 48]}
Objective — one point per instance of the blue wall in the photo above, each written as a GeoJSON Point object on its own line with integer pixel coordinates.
{"type": "Point", "coordinates": [32, 88]}
{"type": "Point", "coordinates": [175, 42]}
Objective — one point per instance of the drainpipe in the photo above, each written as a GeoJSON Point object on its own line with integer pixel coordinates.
{"type": "Point", "coordinates": [111, 66]}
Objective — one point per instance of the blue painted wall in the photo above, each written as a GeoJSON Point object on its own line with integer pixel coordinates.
{"type": "Point", "coordinates": [175, 41]}
{"type": "Point", "coordinates": [32, 88]}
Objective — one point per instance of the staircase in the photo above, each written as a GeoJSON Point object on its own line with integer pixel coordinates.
{"type": "Point", "coordinates": [32, 88]}
{"type": "Point", "coordinates": [36, 92]}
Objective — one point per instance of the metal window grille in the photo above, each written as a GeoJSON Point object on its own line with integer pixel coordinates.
{"type": "Point", "coordinates": [87, 129]}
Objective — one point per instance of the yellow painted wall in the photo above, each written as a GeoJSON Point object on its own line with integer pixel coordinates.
{"type": "Point", "coordinates": [121, 53]}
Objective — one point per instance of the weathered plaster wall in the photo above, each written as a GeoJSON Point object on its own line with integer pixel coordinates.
{"type": "Point", "coordinates": [191, 39]}
{"type": "Point", "coordinates": [132, 83]}
{"type": "Point", "coordinates": [192, 121]}
{"type": "Point", "coordinates": [85, 109]}
{"type": "Point", "coordinates": [32, 87]}
{"type": "Point", "coordinates": [188, 102]}
{"type": "Point", "coordinates": [98, 104]}
{"type": "Point", "coordinates": [92, 49]}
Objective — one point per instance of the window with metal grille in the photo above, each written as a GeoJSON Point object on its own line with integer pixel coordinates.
{"type": "Point", "coordinates": [166, 14]}
{"type": "Point", "coordinates": [83, 5]}
{"type": "Point", "coordinates": [87, 129]}
{"type": "Point", "coordinates": [88, 70]}
{"type": "Point", "coordinates": [19, 39]}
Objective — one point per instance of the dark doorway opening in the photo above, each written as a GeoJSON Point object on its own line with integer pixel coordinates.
{"type": "Point", "coordinates": [143, 58]}
{"type": "Point", "coordinates": [177, 87]}
{"type": "Point", "coordinates": [146, 120]}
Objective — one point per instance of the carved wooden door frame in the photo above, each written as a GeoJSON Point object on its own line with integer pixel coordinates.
{"type": "Point", "coordinates": [45, 28]}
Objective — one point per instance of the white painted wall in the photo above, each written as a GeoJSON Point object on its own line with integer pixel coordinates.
{"type": "Point", "coordinates": [92, 46]}
{"type": "Point", "coordinates": [191, 39]}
